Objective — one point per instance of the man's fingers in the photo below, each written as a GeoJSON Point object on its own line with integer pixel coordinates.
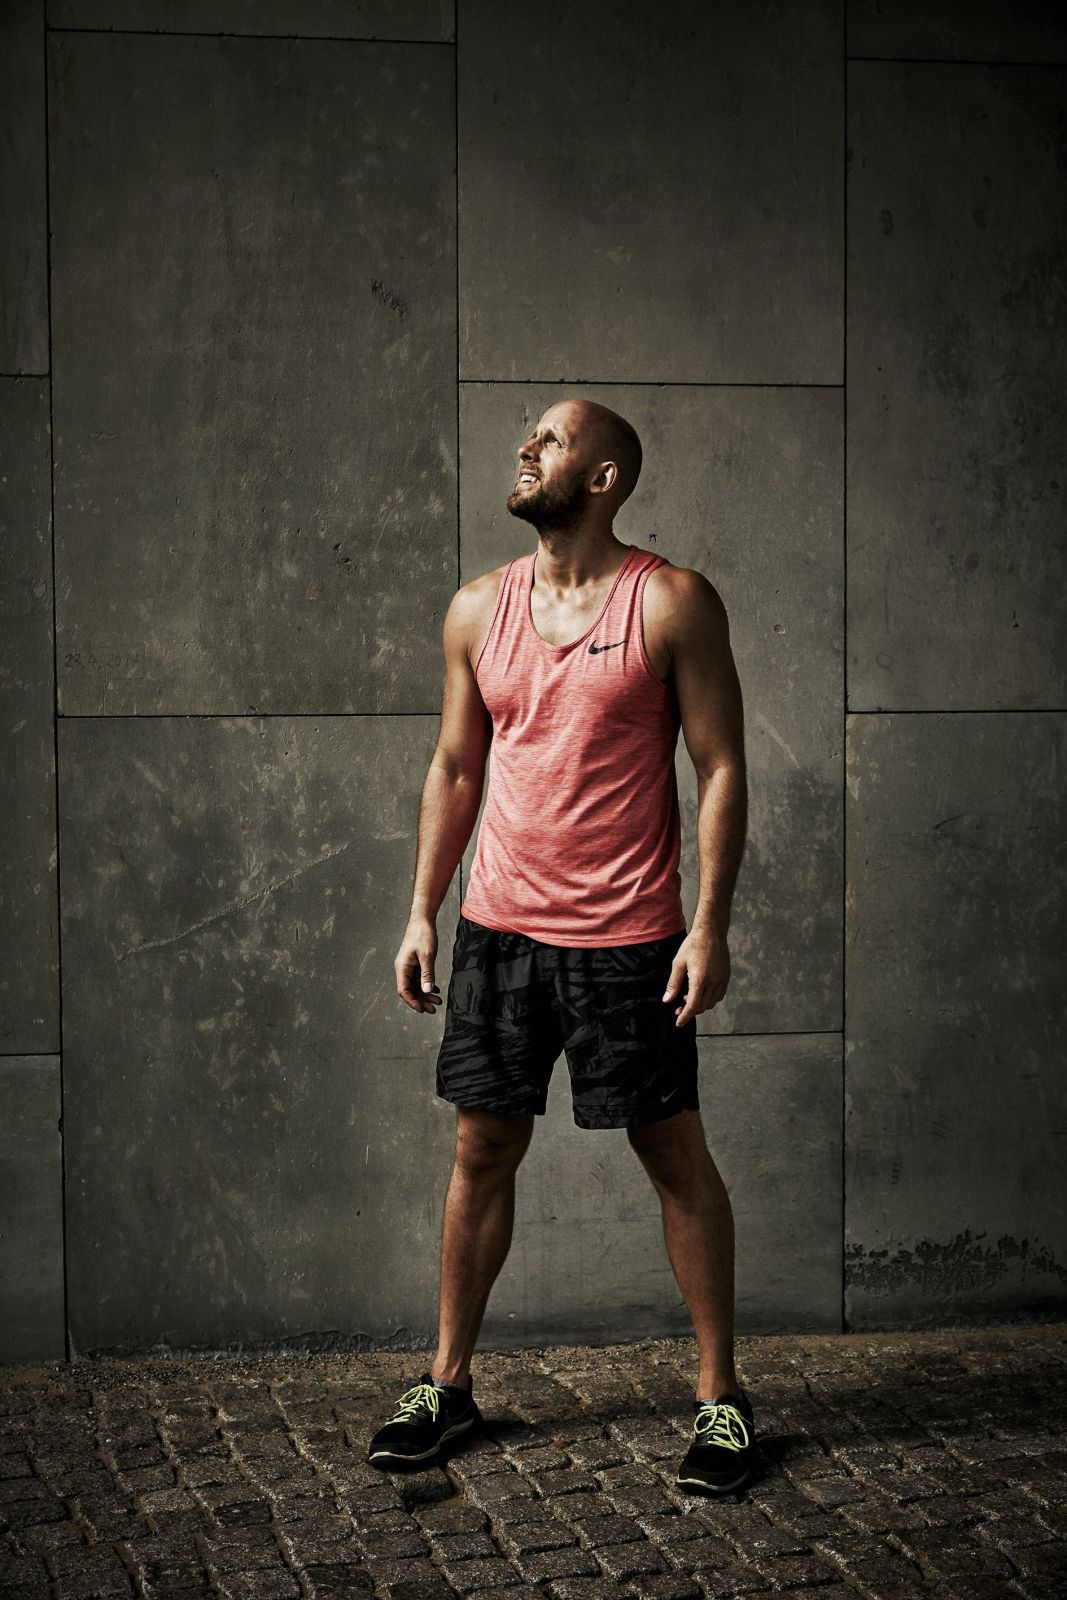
{"type": "Point", "coordinates": [696, 1004]}
{"type": "Point", "coordinates": [415, 982]}
{"type": "Point", "coordinates": [675, 985]}
{"type": "Point", "coordinates": [674, 982]}
{"type": "Point", "coordinates": [430, 992]}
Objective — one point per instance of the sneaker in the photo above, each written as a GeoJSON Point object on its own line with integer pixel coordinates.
{"type": "Point", "coordinates": [427, 1416]}
{"type": "Point", "coordinates": [722, 1455]}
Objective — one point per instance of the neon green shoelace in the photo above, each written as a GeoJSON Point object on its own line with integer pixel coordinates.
{"type": "Point", "coordinates": [718, 1424]}
{"type": "Point", "coordinates": [423, 1394]}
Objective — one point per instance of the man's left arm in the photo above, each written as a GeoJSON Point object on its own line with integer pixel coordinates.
{"type": "Point", "coordinates": [697, 630]}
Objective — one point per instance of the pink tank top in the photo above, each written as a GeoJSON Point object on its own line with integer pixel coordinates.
{"type": "Point", "coordinates": [581, 834]}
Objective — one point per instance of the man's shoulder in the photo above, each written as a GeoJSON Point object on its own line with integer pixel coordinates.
{"type": "Point", "coordinates": [472, 597]}
{"type": "Point", "coordinates": [471, 608]}
{"type": "Point", "coordinates": [684, 595]}
{"type": "Point", "coordinates": [485, 581]}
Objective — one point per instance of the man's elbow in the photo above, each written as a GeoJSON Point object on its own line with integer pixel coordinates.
{"type": "Point", "coordinates": [727, 766]}
{"type": "Point", "coordinates": [461, 767]}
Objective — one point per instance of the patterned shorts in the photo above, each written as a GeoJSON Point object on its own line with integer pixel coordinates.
{"type": "Point", "coordinates": [514, 1005]}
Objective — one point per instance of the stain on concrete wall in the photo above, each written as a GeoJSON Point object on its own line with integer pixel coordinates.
{"type": "Point", "coordinates": [964, 1277]}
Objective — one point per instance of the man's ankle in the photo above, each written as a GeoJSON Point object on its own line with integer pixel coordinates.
{"type": "Point", "coordinates": [447, 1374]}
{"type": "Point", "coordinates": [724, 1386]}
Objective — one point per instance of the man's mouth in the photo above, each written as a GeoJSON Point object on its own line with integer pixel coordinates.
{"type": "Point", "coordinates": [526, 477]}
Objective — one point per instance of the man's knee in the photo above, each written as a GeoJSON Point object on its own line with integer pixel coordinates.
{"type": "Point", "coordinates": [488, 1144]}
{"type": "Point", "coordinates": [674, 1151]}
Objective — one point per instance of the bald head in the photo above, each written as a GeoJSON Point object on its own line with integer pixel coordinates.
{"type": "Point", "coordinates": [581, 462]}
{"type": "Point", "coordinates": [606, 436]}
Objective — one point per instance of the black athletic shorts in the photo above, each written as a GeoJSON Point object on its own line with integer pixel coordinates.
{"type": "Point", "coordinates": [514, 1005]}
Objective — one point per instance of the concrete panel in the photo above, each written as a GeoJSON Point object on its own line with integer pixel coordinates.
{"type": "Point", "coordinates": [957, 371]}
{"type": "Point", "coordinates": [254, 1146]}
{"type": "Point", "coordinates": [254, 308]}
{"type": "Point", "coordinates": [588, 1259]}
{"type": "Point", "coordinates": [745, 486]}
{"type": "Point", "coordinates": [956, 1110]}
{"type": "Point", "coordinates": [29, 969]}
{"type": "Point", "coordinates": [305, 19]}
{"type": "Point", "coordinates": [24, 258]}
{"type": "Point", "coordinates": [959, 30]}
{"type": "Point", "coordinates": [31, 1206]}
{"type": "Point", "coordinates": [651, 193]}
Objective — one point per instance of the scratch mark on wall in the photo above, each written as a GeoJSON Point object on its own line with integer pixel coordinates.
{"type": "Point", "coordinates": [777, 737]}
{"type": "Point", "coordinates": [371, 1003]}
{"type": "Point", "coordinates": [226, 911]}
{"type": "Point", "coordinates": [956, 815]}
{"type": "Point", "coordinates": [392, 300]}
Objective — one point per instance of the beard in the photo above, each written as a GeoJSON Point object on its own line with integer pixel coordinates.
{"type": "Point", "coordinates": [550, 505]}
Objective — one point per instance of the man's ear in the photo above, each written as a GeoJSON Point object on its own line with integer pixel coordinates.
{"type": "Point", "coordinates": [603, 478]}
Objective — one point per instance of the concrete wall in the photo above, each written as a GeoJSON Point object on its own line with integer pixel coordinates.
{"type": "Point", "coordinates": [282, 287]}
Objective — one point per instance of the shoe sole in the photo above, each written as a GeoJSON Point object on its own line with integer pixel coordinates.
{"type": "Point", "coordinates": [702, 1487]}
{"type": "Point", "coordinates": [424, 1456]}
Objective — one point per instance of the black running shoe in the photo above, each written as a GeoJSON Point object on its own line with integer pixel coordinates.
{"type": "Point", "coordinates": [722, 1455]}
{"type": "Point", "coordinates": [427, 1416]}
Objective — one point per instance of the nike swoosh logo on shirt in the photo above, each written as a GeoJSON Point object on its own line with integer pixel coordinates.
{"type": "Point", "coordinates": [595, 649]}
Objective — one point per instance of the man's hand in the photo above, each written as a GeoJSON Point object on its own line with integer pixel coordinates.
{"type": "Point", "coordinates": [704, 957]}
{"type": "Point", "coordinates": [414, 966]}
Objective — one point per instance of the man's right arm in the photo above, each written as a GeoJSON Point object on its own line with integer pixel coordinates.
{"type": "Point", "coordinates": [451, 794]}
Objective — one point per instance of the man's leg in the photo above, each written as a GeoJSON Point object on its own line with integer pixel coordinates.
{"type": "Point", "coordinates": [698, 1228]}
{"type": "Point", "coordinates": [476, 1235]}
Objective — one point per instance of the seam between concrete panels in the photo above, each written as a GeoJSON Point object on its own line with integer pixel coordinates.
{"type": "Point", "coordinates": [843, 1308]}
{"type": "Point", "coordinates": [67, 1350]}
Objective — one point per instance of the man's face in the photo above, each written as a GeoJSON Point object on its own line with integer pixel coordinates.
{"type": "Point", "coordinates": [550, 488]}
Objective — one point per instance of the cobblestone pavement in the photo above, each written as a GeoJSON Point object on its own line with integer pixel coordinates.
{"type": "Point", "coordinates": [892, 1466]}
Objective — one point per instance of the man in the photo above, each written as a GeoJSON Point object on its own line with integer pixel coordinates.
{"type": "Point", "coordinates": [573, 668]}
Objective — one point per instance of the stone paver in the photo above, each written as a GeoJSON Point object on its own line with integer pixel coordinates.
{"type": "Point", "coordinates": [892, 1467]}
